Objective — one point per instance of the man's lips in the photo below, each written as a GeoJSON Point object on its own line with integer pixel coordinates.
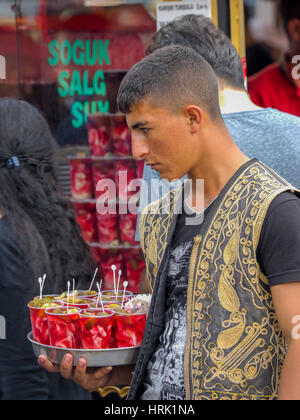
{"type": "Point", "coordinates": [152, 164]}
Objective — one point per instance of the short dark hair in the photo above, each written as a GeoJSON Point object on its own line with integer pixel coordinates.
{"type": "Point", "coordinates": [200, 34]}
{"type": "Point", "coordinates": [289, 10]}
{"type": "Point", "coordinates": [172, 77]}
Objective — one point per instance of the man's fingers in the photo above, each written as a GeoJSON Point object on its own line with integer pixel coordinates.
{"type": "Point", "coordinates": [102, 372]}
{"type": "Point", "coordinates": [46, 364]}
{"type": "Point", "coordinates": [66, 367]}
{"type": "Point", "coordinates": [80, 372]}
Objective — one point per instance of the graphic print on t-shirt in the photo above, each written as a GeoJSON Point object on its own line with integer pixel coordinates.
{"type": "Point", "coordinates": [165, 380]}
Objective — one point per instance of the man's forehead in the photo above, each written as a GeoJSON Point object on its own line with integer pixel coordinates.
{"type": "Point", "coordinates": [145, 112]}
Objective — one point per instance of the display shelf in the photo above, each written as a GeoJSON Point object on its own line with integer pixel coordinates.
{"type": "Point", "coordinates": [107, 157]}
{"type": "Point", "coordinates": [110, 246]}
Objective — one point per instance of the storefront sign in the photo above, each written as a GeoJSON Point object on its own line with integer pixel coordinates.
{"type": "Point", "coordinates": [80, 82]}
{"type": "Point", "coordinates": [168, 11]}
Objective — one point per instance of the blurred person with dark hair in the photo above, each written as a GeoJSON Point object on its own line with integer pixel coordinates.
{"type": "Point", "coordinates": [278, 85]}
{"type": "Point", "coordinates": [38, 234]}
{"type": "Point", "coordinates": [267, 134]}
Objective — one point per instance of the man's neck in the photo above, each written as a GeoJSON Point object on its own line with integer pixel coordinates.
{"type": "Point", "coordinates": [233, 101]}
{"type": "Point", "coordinates": [217, 167]}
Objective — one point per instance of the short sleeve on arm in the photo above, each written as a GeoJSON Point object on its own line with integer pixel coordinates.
{"type": "Point", "coordinates": [278, 251]}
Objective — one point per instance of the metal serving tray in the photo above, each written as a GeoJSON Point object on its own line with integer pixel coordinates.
{"type": "Point", "coordinates": [94, 358]}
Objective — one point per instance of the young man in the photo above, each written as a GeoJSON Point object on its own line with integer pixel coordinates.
{"type": "Point", "coordinates": [267, 134]}
{"type": "Point", "coordinates": [225, 291]}
{"type": "Point", "coordinates": [278, 86]}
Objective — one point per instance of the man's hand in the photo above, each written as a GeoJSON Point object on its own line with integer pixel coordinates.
{"type": "Point", "coordinates": [89, 381]}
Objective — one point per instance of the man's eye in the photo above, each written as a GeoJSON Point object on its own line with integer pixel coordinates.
{"type": "Point", "coordinates": [145, 130]}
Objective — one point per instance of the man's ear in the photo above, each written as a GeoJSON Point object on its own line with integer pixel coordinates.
{"type": "Point", "coordinates": [194, 117]}
{"type": "Point", "coordinates": [294, 29]}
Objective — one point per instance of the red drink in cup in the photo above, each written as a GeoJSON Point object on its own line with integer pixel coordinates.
{"type": "Point", "coordinates": [80, 303]}
{"type": "Point", "coordinates": [129, 328]}
{"type": "Point", "coordinates": [64, 327]}
{"type": "Point", "coordinates": [96, 328]}
{"type": "Point", "coordinates": [39, 320]}
{"type": "Point", "coordinates": [116, 296]}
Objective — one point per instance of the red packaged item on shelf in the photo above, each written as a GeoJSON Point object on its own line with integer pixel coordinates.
{"type": "Point", "coordinates": [99, 134]}
{"type": "Point", "coordinates": [108, 258]}
{"type": "Point", "coordinates": [125, 172]}
{"type": "Point", "coordinates": [128, 223]}
{"type": "Point", "coordinates": [81, 178]}
{"type": "Point", "coordinates": [108, 233]}
{"type": "Point", "coordinates": [103, 171]}
{"type": "Point", "coordinates": [134, 268]}
{"type": "Point", "coordinates": [86, 218]}
{"type": "Point", "coordinates": [95, 251]}
{"type": "Point", "coordinates": [121, 136]}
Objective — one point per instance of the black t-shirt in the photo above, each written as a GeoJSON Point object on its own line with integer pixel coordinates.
{"type": "Point", "coordinates": [21, 378]}
{"type": "Point", "coordinates": [278, 251]}
{"type": "Point", "coordinates": [278, 254]}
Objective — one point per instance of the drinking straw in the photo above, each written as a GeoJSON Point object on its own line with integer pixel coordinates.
{"type": "Point", "coordinates": [114, 268]}
{"type": "Point", "coordinates": [68, 296]}
{"type": "Point", "coordinates": [42, 282]}
{"type": "Point", "coordinates": [41, 287]}
{"type": "Point", "coordinates": [125, 284]}
{"type": "Point", "coordinates": [119, 277]}
{"type": "Point", "coordinates": [100, 296]}
{"type": "Point", "coordinates": [95, 274]}
{"type": "Point", "coordinates": [73, 291]}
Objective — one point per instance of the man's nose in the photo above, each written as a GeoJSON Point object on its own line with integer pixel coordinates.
{"type": "Point", "coordinates": [140, 148]}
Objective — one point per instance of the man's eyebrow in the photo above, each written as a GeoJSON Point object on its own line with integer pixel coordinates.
{"type": "Point", "coordinates": [139, 124]}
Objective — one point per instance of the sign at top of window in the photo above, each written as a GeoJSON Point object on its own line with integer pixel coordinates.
{"type": "Point", "coordinates": [169, 11]}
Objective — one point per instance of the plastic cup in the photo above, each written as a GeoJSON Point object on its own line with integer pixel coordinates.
{"type": "Point", "coordinates": [82, 294]}
{"type": "Point", "coordinates": [64, 329]}
{"type": "Point", "coordinates": [111, 305]}
{"type": "Point", "coordinates": [86, 294]}
{"type": "Point", "coordinates": [112, 298]}
{"type": "Point", "coordinates": [129, 328]}
{"type": "Point", "coordinates": [39, 323]}
{"type": "Point", "coordinates": [96, 329]}
{"type": "Point", "coordinates": [119, 295]}
{"type": "Point", "coordinates": [83, 303]}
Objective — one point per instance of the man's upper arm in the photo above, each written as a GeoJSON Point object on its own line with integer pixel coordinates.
{"type": "Point", "coordinates": [279, 257]}
{"type": "Point", "coordinates": [286, 300]}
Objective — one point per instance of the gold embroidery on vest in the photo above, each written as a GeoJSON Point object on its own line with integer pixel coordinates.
{"type": "Point", "coordinates": [233, 336]}
{"type": "Point", "coordinates": [241, 351]}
